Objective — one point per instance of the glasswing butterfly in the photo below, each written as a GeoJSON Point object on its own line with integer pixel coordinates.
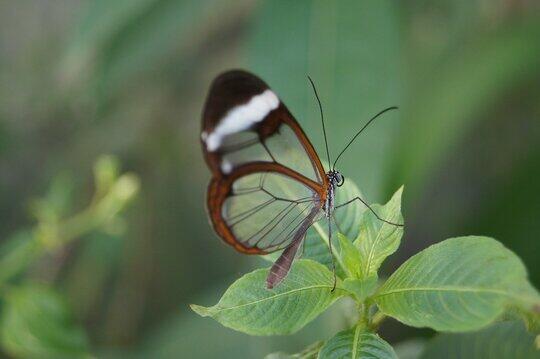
{"type": "Point", "coordinates": [268, 184]}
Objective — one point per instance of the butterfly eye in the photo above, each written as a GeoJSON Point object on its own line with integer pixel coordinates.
{"type": "Point", "coordinates": [341, 180]}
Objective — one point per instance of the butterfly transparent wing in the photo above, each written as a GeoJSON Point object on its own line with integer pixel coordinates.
{"type": "Point", "coordinates": [267, 181]}
{"type": "Point", "coordinates": [269, 210]}
{"type": "Point", "coordinates": [282, 147]}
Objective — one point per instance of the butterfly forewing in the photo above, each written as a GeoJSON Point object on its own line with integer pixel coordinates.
{"type": "Point", "coordinates": [268, 184]}
{"type": "Point", "coordinates": [244, 121]}
{"type": "Point", "coordinates": [286, 149]}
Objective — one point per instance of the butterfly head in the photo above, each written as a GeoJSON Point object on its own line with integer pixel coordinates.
{"type": "Point", "coordinates": [335, 178]}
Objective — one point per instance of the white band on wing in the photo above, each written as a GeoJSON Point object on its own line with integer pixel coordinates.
{"type": "Point", "coordinates": [226, 166]}
{"type": "Point", "coordinates": [241, 117]}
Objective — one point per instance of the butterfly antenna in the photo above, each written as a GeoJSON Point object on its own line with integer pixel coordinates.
{"type": "Point", "coordinates": [322, 119]}
{"type": "Point", "coordinates": [362, 129]}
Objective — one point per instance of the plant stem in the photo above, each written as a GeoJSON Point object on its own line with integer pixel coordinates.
{"type": "Point", "coordinates": [363, 314]}
{"type": "Point", "coordinates": [377, 320]}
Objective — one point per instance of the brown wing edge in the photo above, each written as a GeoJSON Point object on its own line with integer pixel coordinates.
{"type": "Point", "coordinates": [304, 140]}
{"type": "Point", "coordinates": [219, 189]}
{"type": "Point", "coordinates": [216, 196]}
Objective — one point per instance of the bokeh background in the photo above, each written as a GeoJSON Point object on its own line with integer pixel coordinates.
{"type": "Point", "coordinates": [79, 79]}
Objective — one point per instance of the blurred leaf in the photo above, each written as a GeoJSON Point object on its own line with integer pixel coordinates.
{"type": "Point", "coordinates": [377, 239]}
{"type": "Point", "coordinates": [283, 30]}
{"type": "Point", "coordinates": [340, 44]}
{"type": "Point", "coordinates": [87, 279]}
{"type": "Point", "coordinates": [310, 352]}
{"type": "Point", "coordinates": [506, 340]}
{"type": "Point", "coordinates": [249, 307]}
{"type": "Point", "coordinates": [456, 94]}
{"type": "Point", "coordinates": [125, 39]}
{"type": "Point", "coordinates": [51, 233]}
{"type": "Point", "coordinates": [106, 171]}
{"type": "Point", "coordinates": [4, 136]}
{"type": "Point", "coordinates": [16, 253]}
{"type": "Point", "coordinates": [510, 205]}
{"type": "Point", "coordinates": [36, 323]}
{"type": "Point", "coordinates": [460, 284]}
{"type": "Point", "coordinates": [101, 23]}
{"type": "Point", "coordinates": [57, 202]}
{"type": "Point", "coordinates": [410, 349]}
{"type": "Point", "coordinates": [101, 213]}
{"type": "Point", "coordinates": [354, 343]}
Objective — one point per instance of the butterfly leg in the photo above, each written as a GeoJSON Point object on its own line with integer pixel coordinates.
{"type": "Point", "coordinates": [371, 209]}
{"type": "Point", "coordinates": [331, 252]}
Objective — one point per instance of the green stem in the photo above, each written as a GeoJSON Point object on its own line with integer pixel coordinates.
{"type": "Point", "coordinates": [377, 320]}
{"type": "Point", "coordinates": [363, 315]}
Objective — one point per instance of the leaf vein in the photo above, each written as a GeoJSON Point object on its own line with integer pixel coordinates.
{"type": "Point", "coordinates": [276, 296]}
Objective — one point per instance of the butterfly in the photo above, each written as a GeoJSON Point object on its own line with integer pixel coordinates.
{"type": "Point", "coordinates": [268, 184]}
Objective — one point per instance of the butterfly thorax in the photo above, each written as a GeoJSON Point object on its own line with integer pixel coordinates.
{"type": "Point", "coordinates": [335, 179]}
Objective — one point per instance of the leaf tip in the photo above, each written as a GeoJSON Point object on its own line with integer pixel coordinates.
{"type": "Point", "coordinates": [399, 192]}
{"type": "Point", "coordinates": [199, 309]}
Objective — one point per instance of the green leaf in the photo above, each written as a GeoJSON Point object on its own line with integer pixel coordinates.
{"type": "Point", "coordinates": [361, 288]}
{"type": "Point", "coordinates": [36, 323]}
{"type": "Point", "coordinates": [349, 257]}
{"type": "Point", "coordinates": [347, 220]}
{"type": "Point", "coordinates": [377, 239]}
{"type": "Point", "coordinates": [506, 340]}
{"type": "Point", "coordinates": [311, 352]}
{"type": "Point", "coordinates": [356, 344]}
{"type": "Point", "coordinates": [460, 284]}
{"type": "Point", "coordinates": [249, 307]}
{"type": "Point", "coordinates": [117, 42]}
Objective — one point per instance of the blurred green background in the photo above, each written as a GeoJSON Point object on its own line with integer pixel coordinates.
{"type": "Point", "coordinates": [79, 79]}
